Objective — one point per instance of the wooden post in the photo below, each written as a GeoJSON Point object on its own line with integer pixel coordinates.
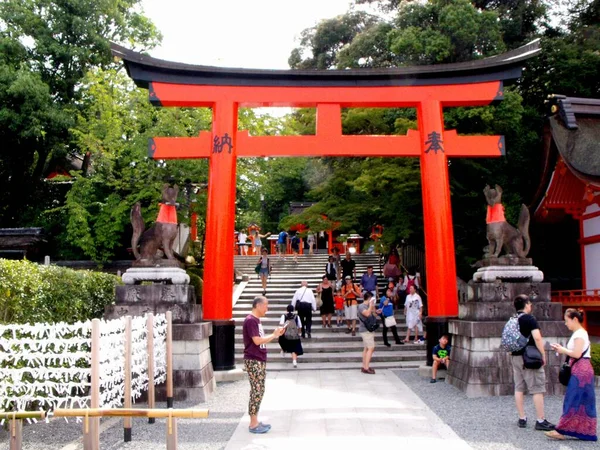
{"type": "Point", "coordinates": [169, 359]}
{"type": "Point", "coordinates": [91, 426]}
{"type": "Point", "coordinates": [127, 422]}
{"type": "Point", "coordinates": [15, 427]}
{"type": "Point", "coordinates": [171, 433]}
{"type": "Point", "coordinates": [150, 339]}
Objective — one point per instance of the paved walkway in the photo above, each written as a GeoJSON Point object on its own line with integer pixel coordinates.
{"type": "Point", "coordinates": [341, 410]}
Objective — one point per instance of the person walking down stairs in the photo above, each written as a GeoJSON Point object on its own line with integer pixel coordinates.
{"type": "Point", "coordinates": [264, 270]}
{"type": "Point", "coordinates": [325, 288]}
{"type": "Point", "coordinates": [290, 341]}
{"type": "Point", "coordinates": [304, 302]}
{"type": "Point", "coordinates": [386, 311]}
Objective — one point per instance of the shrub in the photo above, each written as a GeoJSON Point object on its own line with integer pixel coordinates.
{"type": "Point", "coordinates": [197, 282]}
{"type": "Point", "coordinates": [596, 359]}
{"type": "Point", "coordinates": [31, 293]}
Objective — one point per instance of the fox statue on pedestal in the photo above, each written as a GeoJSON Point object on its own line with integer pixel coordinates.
{"type": "Point", "coordinates": [500, 234]}
{"type": "Point", "coordinates": [161, 235]}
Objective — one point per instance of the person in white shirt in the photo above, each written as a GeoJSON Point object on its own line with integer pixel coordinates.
{"type": "Point", "coordinates": [305, 303]}
{"type": "Point", "coordinates": [413, 310]}
{"type": "Point", "coordinates": [242, 237]}
{"type": "Point", "coordinates": [579, 418]}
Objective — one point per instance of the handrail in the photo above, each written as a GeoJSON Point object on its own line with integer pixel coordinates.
{"type": "Point", "coordinates": [17, 415]}
{"type": "Point", "coordinates": [132, 412]}
{"type": "Point", "coordinates": [576, 295]}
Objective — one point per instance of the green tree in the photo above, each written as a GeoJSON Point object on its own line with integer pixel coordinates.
{"type": "Point", "coordinates": [50, 48]}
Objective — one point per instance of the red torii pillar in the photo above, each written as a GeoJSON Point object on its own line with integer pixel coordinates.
{"type": "Point", "coordinates": [432, 144]}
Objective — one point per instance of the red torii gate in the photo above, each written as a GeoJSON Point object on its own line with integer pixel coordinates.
{"type": "Point", "coordinates": [427, 88]}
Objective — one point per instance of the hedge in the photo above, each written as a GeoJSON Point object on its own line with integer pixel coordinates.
{"type": "Point", "coordinates": [31, 293]}
{"type": "Point", "coordinates": [596, 358]}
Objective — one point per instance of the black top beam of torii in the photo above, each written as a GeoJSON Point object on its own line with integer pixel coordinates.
{"type": "Point", "coordinates": [144, 69]}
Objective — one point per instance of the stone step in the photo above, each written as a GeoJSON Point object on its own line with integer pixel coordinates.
{"type": "Point", "coordinates": [317, 346]}
{"type": "Point", "coordinates": [378, 356]}
{"type": "Point", "coordinates": [343, 366]}
{"type": "Point", "coordinates": [342, 337]}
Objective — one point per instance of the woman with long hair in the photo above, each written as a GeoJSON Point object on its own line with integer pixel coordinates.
{"type": "Point", "coordinates": [579, 418]}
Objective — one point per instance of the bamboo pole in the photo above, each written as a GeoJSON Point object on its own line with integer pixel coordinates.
{"type": "Point", "coordinates": [133, 412]}
{"type": "Point", "coordinates": [127, 422]}
{"type": "Point", "coordinates": [169, 359]}
{"type": "Point", "coordinates": [91, 427]}
{"type": "Point", "coordinates": [171, 433]}
{"type": "Point", "coordinates": [150, 339]}
{"type": "Point", "coordinates": [16, 433]}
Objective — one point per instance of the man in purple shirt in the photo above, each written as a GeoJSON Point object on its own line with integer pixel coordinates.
{"type": "Point", "coordinates": [255, 359]}
{"type": "Point", "coordinates": [368, 282]}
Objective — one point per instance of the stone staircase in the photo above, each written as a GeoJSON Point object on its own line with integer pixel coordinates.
{"type": "Point", "coordinates": [329, 348]}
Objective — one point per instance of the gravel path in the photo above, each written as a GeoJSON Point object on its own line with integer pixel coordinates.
{"type": "Point", "coordinates": [489, 423]}
{"type": "Point", "coordinates": [226, 406]}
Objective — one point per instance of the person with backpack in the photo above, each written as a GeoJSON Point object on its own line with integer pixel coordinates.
{"type": "Point", "coordinates": [295, 244]}
{"type": "Point", "coordinates": [282, 244]}
{"type": "Point", "coordinates": [366, 328]}
{"type": "Point", "coordinates": [531, 380]}
{"type": "Point", "coordinates": [290, 341]}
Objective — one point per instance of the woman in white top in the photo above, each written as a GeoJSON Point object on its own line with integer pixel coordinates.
{"type": "Point", "coordinates": [578, 419]}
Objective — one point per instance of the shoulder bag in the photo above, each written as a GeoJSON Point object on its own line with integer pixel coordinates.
{"type": "Point", "coordinates": [532, 358]}
{"type": "Point", "coordinates": [564, 374]}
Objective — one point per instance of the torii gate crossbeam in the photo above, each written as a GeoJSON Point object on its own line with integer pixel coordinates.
{"type": "Point", "coordinates": [428, 89]}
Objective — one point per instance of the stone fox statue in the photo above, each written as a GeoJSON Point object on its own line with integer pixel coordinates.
{"type": "Point", "coordinates": [162, 234]}
{"type": "Point", "coordinates": [500, 234]}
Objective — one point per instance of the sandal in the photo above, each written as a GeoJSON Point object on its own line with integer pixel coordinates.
{"type": "Point", "coordinates": [555, 435]}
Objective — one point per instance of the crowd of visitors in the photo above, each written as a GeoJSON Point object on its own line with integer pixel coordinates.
{"type": "Point", "coordinates": [358, 302]}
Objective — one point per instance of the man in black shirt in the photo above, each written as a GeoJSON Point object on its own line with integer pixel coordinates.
{"type": "Point", "coordinates": [348, 267]}
{"type": "Point", "coordinates": [532, 380]}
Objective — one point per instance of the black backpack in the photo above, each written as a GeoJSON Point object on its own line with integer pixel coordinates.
{"type": "Point", "coordinates": [370, 322]}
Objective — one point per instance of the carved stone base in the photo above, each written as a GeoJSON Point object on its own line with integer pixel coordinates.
{"type": "Point", "coordinates": [172, 275]}
{"type": "Point", "coordinates": [193, 377]}
{"type": "Point", "coordinates": [480, 369]}
{"type": "Point", "coordinates": [522, 273]}
{"type": "Point", "coordinates": [506, 260]}
{"type": "Point", "coordinates": [157, 263]}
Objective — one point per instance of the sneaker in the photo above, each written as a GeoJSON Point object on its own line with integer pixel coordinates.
{"type": "Point", "coordinates": [433, 380]}
{"type": "Point", "coordinates": [544, 426]}
{"type": "Point", "coordinates": [400, 343]}
{"type": "Point", "coordinates": [295, 363]}
{"type": "Point", "coordinates": [260, 429]}
{"type": "Point", "coordinates": [522, 423]}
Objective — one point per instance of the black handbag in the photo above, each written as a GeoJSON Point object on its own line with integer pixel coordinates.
{"type": "Point", "coordinates": [564, 374]}
{"type": "Point", "coordinates": [532, 358]}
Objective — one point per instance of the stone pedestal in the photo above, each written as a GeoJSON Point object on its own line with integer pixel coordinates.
{"type": "Point", "coordinates": [193, 377]}
{"type": "Point", "coordinates": [478, 366]}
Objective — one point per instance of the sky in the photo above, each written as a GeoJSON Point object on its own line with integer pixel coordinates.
{"type": "Point", "coordinates": [235, 33]}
